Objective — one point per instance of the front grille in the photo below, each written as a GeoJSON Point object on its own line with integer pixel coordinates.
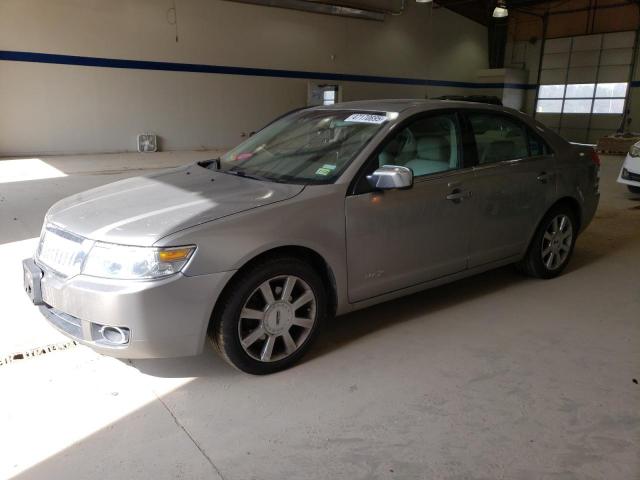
{"type": "Point", "coordinates": [65, 322]}
{"type": "Point", "coordinates": [62, 251]}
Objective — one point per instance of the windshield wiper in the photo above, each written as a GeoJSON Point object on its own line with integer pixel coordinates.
{"type": "Point", "coordinates": [242, 173]}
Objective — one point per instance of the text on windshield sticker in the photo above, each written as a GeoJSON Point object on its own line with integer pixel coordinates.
{"type": "Point", "coordinates": [366, 118]}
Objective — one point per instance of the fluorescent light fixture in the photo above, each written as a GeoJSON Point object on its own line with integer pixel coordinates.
{"type": "Point", "coordinates": [501, 10]}
{"type": "Point", "coordinates": [424, 1]}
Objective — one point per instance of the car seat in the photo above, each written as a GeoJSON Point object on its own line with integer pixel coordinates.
{"type": "Point", "coordinates": [399, 150]}
{"type": "Point", "coordinates": [498, 150]}
{"type": "Point", "coordinates": [433, 155]}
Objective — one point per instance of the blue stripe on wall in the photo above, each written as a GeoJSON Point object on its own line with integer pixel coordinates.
{"type": "Point", "coordinates": [254, 72]}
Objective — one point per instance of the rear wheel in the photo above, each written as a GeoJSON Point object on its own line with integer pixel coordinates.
{"type": "Point", "coordinates": [270, 315]}
{"type": "Point", "coordinates": [552, 244]}
{"type": "Point", "coordinates": [633, 189]}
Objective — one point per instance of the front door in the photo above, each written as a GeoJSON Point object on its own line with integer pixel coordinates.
{"type": "Point", "coordinates": [400, 238]}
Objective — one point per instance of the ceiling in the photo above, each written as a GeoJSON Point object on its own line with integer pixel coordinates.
{"type": "Point", "coordinates": [481, 10]}
{"type": "Point", "coordinates": [477, 10]}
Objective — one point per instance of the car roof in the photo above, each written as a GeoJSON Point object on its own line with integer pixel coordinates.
{"type": "Point", "coordinates": [402, 104]}
{"type": "Point", "coordinates": [411, 106]}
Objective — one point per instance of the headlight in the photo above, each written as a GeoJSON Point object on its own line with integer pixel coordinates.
{"type": "Point", "coordinates": [635, 150]}
{"type": "Point", "coordinates": [123, 262]}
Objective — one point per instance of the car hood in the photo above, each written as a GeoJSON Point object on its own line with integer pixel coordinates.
{"type": "Point", "coordinates": [141, 210]}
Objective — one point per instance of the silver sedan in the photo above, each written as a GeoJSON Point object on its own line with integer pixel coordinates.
{"type": "Point", "coordinates": [324, 211]}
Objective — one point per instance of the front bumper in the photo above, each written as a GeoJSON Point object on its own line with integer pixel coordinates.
{"type": "Point", "coordinates": [630, 171]}
{"type": "Point", "coordinates": [164, 318]}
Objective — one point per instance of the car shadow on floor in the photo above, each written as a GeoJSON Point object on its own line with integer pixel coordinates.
{"type": "Point", "coordinates": [207, 364]}
{"type": "Point", "coordinates": [340, 331]}
{"type": "Point", "coordinates": [606, 235]}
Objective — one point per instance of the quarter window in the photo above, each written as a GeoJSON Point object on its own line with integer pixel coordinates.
{"type": "Point", "coordinates": [428, 145]}
{"type": "Point", "coordinates": [537, 146]}
{"type": "Point", "coordinates": [498, 138]}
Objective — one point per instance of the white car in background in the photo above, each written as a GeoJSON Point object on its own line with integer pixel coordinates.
{"type": "Point", "coordinates": [630, 172]}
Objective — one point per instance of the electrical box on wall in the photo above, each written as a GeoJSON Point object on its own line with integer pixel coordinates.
{"type": "Point", "coordinates": [323, 94]}
{"type": "Point", "coordinates": [147, 142]}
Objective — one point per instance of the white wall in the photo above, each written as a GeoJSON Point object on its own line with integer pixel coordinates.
{"type": "Point", "coordinates": [525, 55]}
{"type": "Point", "coordinates": [48, 108]}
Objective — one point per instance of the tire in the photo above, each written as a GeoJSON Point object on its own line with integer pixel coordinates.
{"type": "Point", "coordinates": [552, 245]}
{"type": "Point", "coordinates": [633, 189]}
{"type": "Point", "coordinates": [267, 327]}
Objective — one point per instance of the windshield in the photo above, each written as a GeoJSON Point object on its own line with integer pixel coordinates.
{"type": "Point", "coordinates": [309, 146]}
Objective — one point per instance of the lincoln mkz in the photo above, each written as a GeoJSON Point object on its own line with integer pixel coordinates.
{"type": "Point", "coordinates": [324, 211]}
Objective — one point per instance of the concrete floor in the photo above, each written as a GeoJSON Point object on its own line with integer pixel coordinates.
{"type": "Point", "coordinates": [494, 377]}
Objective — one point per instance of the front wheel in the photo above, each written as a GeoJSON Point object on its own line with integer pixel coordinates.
{"type": "Point", "coordinates": [552, 244]}
{"type": "Point", "coordinates": [269, 316]}
{"type": "Point", "coordinates": [633, 189]}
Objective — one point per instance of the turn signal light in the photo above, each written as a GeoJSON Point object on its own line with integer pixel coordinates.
{"type": "Point", "coordinates": [174, 255]}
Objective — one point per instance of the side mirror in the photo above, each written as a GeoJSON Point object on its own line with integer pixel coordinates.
{"type": "Point", "coordinates": [389, 177]}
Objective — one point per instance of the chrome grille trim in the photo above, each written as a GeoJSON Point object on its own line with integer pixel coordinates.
{"type": "Point", "coordinates": [61, 251]}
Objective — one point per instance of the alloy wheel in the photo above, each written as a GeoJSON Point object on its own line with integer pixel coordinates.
{"type": "Point", "coordinates": [277, 318]}
{"type": "Point", "coordinates": [556, 242]}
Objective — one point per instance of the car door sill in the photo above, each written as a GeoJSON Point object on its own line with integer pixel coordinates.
{"type": "Point", "coordinates": [432, 283]}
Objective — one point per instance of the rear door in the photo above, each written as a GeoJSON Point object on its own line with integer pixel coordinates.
{"type": "Point", "coordinates": [514, 184]}
{"type": "Point", "coordinates": [400, 238]}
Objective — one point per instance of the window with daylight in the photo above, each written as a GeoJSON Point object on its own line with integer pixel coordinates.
{"type": "Point", "coordinates": [601, 98]}
{"type": "Point", "coordinates": [329, 95]}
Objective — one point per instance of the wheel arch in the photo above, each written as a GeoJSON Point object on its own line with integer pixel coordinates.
{"type": "Point", "coordinates": [312, 257]}
{"type": "Point", "coordinates": [571, 202]}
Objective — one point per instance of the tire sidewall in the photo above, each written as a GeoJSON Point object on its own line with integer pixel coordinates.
{"type": "Point", "coordinates": [226, 325]}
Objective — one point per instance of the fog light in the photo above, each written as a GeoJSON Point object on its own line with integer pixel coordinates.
{"type": "Point", "coordinates": [114, 335]}
{"type": "Point", "coordinates": [625, 173]}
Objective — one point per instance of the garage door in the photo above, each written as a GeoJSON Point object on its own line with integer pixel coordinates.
{"type": "Point", "coordinates": [584, 83]}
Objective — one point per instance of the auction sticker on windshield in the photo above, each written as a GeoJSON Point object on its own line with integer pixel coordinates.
{"type": "Point", "coordinates": [366, 118]}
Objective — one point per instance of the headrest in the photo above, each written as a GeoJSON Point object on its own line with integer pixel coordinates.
{"type": "Point", "coordinates": [434, 147]}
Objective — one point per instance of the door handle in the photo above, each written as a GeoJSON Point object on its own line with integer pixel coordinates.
{"type": "Point", "coordinates": [456, 196]}
{"type": "Point", "coordinates": [543, 177]}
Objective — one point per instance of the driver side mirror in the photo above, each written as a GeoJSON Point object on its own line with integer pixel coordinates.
{"type": "Point", "coordinates": [390, 177]}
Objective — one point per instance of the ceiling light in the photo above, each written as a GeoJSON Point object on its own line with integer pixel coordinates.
{"type": "Point", "coordinates": [501, 10]}
{"type": "Point", "coordinates": [424, 1]}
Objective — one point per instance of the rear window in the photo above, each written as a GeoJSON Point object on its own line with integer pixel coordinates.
{"type": "Point", "coordinates": [498, 138]}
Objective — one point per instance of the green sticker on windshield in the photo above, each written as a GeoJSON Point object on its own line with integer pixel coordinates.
{"type": "Point", "coordinates": [323, 171]}
{"type": "Point", "coordinates": [328, 166]}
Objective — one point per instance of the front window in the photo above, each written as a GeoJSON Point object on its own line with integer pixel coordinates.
{"type": "Point", "coordinates": [428, 145]}
{"type": "Point", "coordinates": [310, 146]}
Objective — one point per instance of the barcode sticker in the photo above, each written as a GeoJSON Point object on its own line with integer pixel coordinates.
{"type": "Point", "coordinates": [366, 118]}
